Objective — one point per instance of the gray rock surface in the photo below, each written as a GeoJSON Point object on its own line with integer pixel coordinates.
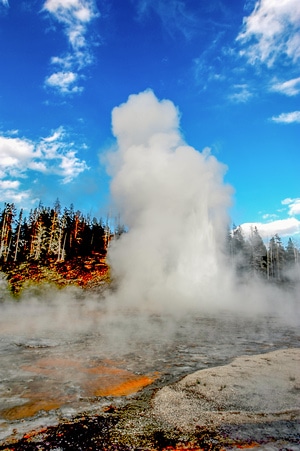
{"type": "Point", "coordinates": [251, 389]}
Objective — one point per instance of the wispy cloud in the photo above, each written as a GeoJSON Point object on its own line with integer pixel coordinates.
{"type": "Point", "coordinates": [241, 93]}
{"type": "Point", "coordinates": [4, 2]}
{"type": "Point", "coordinates": [53, 155]}
{"type": "Point", "coordinates": [174, 15]}
{"type": "Point", "coordinates": [287, 118]}
{"type": "Point", "coordinates": [271, 32]}
{"type": "Point", "coordinates": [289, 88]}
{"type": "Point", "coordinates": [10, 192]}
{"type": "Point", "coordinates": [75, 17]}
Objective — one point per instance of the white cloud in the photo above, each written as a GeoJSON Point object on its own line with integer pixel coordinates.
{"type": "Point", "coordinates": [4, 2]}
{"type": "Point", "coordinates": [10, 191]}
{"type": "Point", "coordinates": [14, 153]}
{"type": "Point", "coordinates": [59, 156]}
{"type": "Point", "coordinates": [289, 88]}
{"type": "Point", "coordinates": [295, 208]}
{"type": "Point", "coordinates": [65, 82]}
{"type": "Point", "coordinates": [293, 204]}
{"type": "Point", "coordinates": [75, 16]}
{"type": "Point", "coordinates": [51, 155]}
{"type": "Point", "coordinates": [68, 11]}
{"type": "Point", "coordinates": [71, 166]}
{"type": "Point", "coordinates": [241, 95]}
{"type": "Point", "coordinates": [287, 118]}
{"type": "Point", "coordinates": [283, 227]}
{"type": "Point", "coordinates": [286, 201]}
{"type": "Point", "coordinates": [272, 31]}
{"type": "Point", "coordinates": [9, 184]}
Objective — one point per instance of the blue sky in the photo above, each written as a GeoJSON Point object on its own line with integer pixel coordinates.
{"type": "Point", "coordinates": [230, 67]}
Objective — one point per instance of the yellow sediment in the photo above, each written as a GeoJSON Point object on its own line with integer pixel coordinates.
{"type": "Point", "coordinates": [127, 387]}
{"type": "Point", "coordinates": [29, 409]}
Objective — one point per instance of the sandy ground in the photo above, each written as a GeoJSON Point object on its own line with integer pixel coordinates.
{"type": "Point", "coordinates": [259, 390]}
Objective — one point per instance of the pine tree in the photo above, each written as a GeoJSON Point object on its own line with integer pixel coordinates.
{"type": "Point", "coordinates": [18, 234]}
{"type": "Point", "coordinates": [240, 251]}
{"type": "Point", "coordinates": [258, 256]}
{"type": "Point", "coordinates": [276, 258]}
{"type": "Point", "coordinates": [6, 233]}
{"type": "Point", "coordinates": [290, 254]}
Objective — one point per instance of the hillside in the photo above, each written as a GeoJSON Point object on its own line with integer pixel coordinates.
{"type": "Point", "coordinates": [89, 272]}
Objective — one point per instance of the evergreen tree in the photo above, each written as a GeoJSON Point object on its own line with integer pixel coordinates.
{"type": "Point", "coordinates": [276, 258]}
{"type": "Point", "coordinates": [240, 251]}
{"type": "Point", "coordinates": [290, 254]}
{"type": "Point", "coordinates": [6, 230]}
{"type": "Point", "coordinates": [258, 256]}
{"type": "Point", "coordinates": [18, 235]}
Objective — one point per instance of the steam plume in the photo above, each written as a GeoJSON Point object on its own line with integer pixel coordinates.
{"type": "Point", "coordinates": [174, 202]}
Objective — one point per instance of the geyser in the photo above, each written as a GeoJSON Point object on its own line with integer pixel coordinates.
{"type": "Point", "coordinates": [175, 203]}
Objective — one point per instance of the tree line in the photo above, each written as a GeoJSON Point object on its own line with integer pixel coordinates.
{"type": "Point", "coordinates": [49, 234]}
{"type": "Point", "coordinates": [251, 256]}
{"type": "Point", "coordinates": [53, 234]}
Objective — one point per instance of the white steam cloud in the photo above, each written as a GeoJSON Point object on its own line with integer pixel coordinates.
{"type": "Point", "coordinates": [174, 202]}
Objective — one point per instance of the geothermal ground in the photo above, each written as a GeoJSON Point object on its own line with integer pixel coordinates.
{"type": "Point", "coordinates": [76, 376]}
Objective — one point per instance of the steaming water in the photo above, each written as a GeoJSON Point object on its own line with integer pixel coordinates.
{"type": "Point", "coordinates": [55, 363]}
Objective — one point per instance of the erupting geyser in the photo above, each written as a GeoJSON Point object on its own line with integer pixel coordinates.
{"type": "Point", "coordinates": [174, 202]}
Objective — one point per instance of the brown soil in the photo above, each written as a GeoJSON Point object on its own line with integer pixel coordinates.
{"type": "Point", "coordinates": [85, 273]}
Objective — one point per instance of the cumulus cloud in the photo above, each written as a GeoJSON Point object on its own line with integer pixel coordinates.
{"type": "Point", "coordinates": [51, 155]}
{"type": "Point", "coordinates": [283, 227]}
{"type": "Point", "coordinates": [289, 88]}
{"type": "Point", "coordinates": [287, 118]}
{"type": "Point", "coordinates": [271, 32]}
{"type": "Point", "coordinates": [286, 227]}
{"type": "Point", "coordinates": [65, 82]}
{"type": "Point", "coordinates": [75, 17]}
{"type": "Point", "coordinates": [14, 153]}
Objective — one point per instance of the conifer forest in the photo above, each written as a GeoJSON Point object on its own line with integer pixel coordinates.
{"type": "Point", "coordinates": [66, 246]}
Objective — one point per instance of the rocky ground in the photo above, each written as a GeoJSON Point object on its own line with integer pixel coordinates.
{"type": "Point", "coordinates": [83, 272]}
{"type": "Point", "coordinates": [251, 403]}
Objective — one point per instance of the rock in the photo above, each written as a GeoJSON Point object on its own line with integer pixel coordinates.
{"type": "Point", "coordinates": [256, 389]}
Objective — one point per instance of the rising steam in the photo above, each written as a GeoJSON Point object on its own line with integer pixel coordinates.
{"type": "Point", "coordinates": [174, 202]}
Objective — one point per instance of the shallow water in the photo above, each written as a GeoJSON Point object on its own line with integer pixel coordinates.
{"type": "Point", "coordinates": [62, 358]}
